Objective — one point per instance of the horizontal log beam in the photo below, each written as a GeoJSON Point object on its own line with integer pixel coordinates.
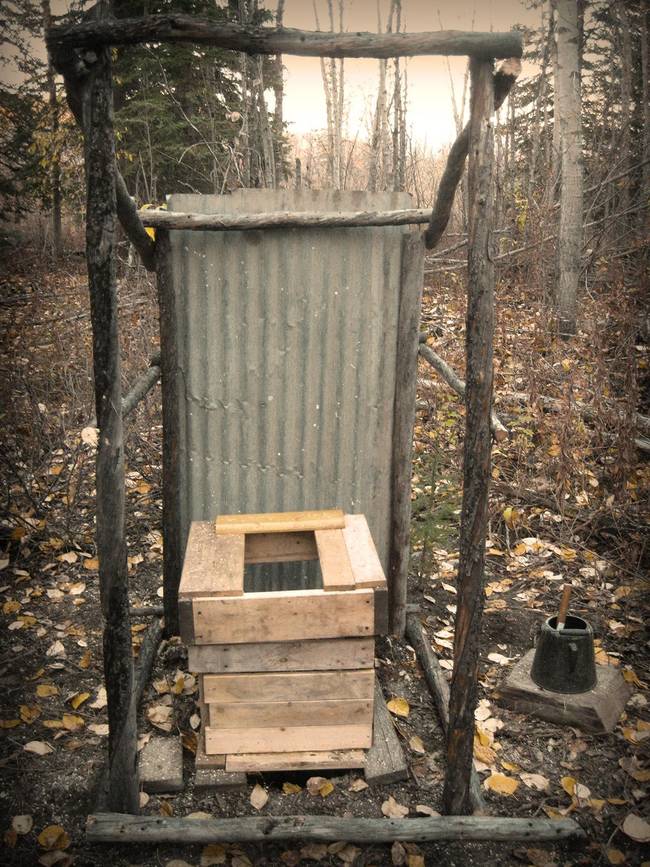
{"type": "Point", "coordinates": [250, 40]}
{"type": "Point", "coordinates": [160, 219]}
{"type": "Point", "coordinates": [120, 828]}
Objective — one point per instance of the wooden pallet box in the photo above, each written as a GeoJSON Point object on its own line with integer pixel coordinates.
{"type": "Point", "coordinates": [284, 670]}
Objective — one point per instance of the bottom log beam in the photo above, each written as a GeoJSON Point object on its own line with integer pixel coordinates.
{"type": "Point", "coordinates": [119, 828]}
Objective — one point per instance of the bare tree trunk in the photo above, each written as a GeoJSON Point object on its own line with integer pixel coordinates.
{"type": "Point", "coordinates": [570, 232]}
{"type": "Point", "coordinates": [626, 100]}
{"type": "Point", "coordinates": [645, 91]}
{"type": "Point", "coordinates": [555, 153]}
{"type": "Point", "coordinates": [278, 114]}
{"type": "Point", "coordinates": [101, 222]}
{"type": "Point", "coordinates": [376, 144]}
{"type": "Point", "coordinates": [477, 449]}
{"type": "Point", "coordinates": [55, 156]}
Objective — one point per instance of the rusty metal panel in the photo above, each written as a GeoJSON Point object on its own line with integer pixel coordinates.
{"type": "Point", "coordinates": [286, 354]}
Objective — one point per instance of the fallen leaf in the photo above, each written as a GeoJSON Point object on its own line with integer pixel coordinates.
{"type": "Point", "coordinates": [38, 747]}
{"type": "Point", "coordinates": [535, 781]}
{"type": "Point", "coordinates": [393, 810]}
{"type": "Point", "coordinates": [9, 723]}
{"type": "Point", "coordinates": [426, 811]}
{"type": "Point", "coordinates": [348, 854]}
{"type": "Point", "coordinates": [319, 786]}
{"type": "Point", "coordinates": [89, 436]}
{"type": "Point", "coordinates": [84, 662]}
{"type": "Point", "coordinates": [22, 824]}
{"type": "Point", "coordinates": [190, 741]}
{"type": "Point", "coordinates": [615, 856]}
{"type": "Point", "coordinates": [398, 854]}
{"type": "Point", "coordinates": [45, 690]}
{"type": "Point", "coordinates": [415, 743]}
{"type": "Point", "coordinates": [29, 713]}
{"type": "Point", "coordinates": [56, 649]}
{"type": "Point", "coordinates": [160, 716]}
{"type": "Point", "coordinates": [291, 788]}
{"type": "Point", "coordinates": [357, 785]}
{"type": "Point", "coordinates": [215, 853]}
{"type": "Point", "coordinates": [100, 699]}
{"type": "Point", "coordinates": [632, 767]}
{"type": "Point", "coordinates": [177, 862]}
{"type": "Point", "coordinates": [415, 860]}
{"type": "Point", "coordinates": [501, 784]}
{"type": "Point", "coordinates": [630, 677]}
{"type": "Point", "coordinates": [49, 859]}
{"type": "Point", "coordinates": [91, 563]}
{"type": "Point", "coordinates": [259, 796]}
{"type": "Point", "coordinates": [72, 722]}
{"type": "Point", "coordinates": [100, 729]}
{"type": "Point", "coordinates": [636, 828]}
{"type": "Point", "coordinates": [68, 557]}
{"type": "Point", "coordinates": [11, 606]}
{"type": "Point", "coordinates": [144, 799]}
{"type": "Point", "coordinates": [166, 808]}
{"type": "Point", "coordinates": [77, 700]}
{"type": "Point", "coordinates": [500, 659]}
{"type": "Point", "coordinates": [76, 589]}
{"type": "Point", "coordinates": [398, 706]}
{"type": "Point", "coordinates": [52, 723]}
{"type": "Point", "coordinates": [53, 837]}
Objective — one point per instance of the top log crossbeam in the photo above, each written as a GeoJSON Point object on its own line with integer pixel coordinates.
{"type": "Point", "coordinates": [229, 35]}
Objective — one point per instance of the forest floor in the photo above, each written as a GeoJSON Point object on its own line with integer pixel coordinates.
{"type": "Point", "coordinates": [569, 502]}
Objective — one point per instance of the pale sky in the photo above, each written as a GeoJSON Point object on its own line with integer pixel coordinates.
{"type": "Point", "coordinates": [430, 115]}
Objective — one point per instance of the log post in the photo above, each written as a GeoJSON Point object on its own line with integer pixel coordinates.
{"type": "Point", "coordinates": [172, 549]}
{"type": "Point", "coordinates": [408, 328]}
{"type": "Point", "coordinates": [477, 450]}
{"type": "Point", "coordinates": [111, 546]}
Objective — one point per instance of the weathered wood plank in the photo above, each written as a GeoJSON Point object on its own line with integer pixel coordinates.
{"type": "Point", "coordinates": [334, 561]}
{"type": "Point", "coordinates": [276, 740]}
{"type": "Point", "coordinates": [385, 760]}
{"type": "Point", "coordinates": [214, 565]}
{"type": "Point", "coordinates": [118, 828]}
{"type": "Point", "coordinates": [280, 547]}
{"type": "Point", "coordinates": [365, 562]}
{"type": "Point", "coordinates": [283, 616]}
{"type": "Point", "coordinates": [262, 763]}
{"type": "Point", "coordinates": [281, 522]}
{"type": "Point", "coordinates": [381, 621]}
{"type": "Point", "coordinates": [270, 714]}
{"type": "Point", "coordinates": [288, 686]}
{"type": "Point", "coordinates": [320, 654]}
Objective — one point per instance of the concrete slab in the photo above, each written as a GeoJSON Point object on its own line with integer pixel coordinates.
{"type": "Point", "coordinates": [218, 779]}
{"type": "Point", "coordinates": [161, 765]}
{"type": "Point", "coordinates": [595, 711]}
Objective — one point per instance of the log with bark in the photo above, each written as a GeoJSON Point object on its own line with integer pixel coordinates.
{"type": "Point", "coordinates": [260, 40]}
{"type": "Point", "coordinates": [117, 828]}
{"type": "Point", "coordinates": [503, 80]}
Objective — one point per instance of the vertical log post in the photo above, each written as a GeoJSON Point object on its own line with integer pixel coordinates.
{"type": "Point", "coordinates": [172, 550]}
{"type": "Point", "coordinates": [408, 332]}
{"type": "Point", "coordinates": [111, 546]}
{"type": "Point", "coordinates": [476, 470]}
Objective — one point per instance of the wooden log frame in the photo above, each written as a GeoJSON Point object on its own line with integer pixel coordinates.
{"type": "Point", "coordinates": [408, 326]}
{"type": "Point", "coordinates": [111, 545]}
{"type": "Point", "coordinates": [115, 828]}
{"type": "Point", "coordinates": [305, 43]}
{"type": "Point", "coordinates": [477, 448]}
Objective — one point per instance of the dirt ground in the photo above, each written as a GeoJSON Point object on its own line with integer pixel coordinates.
{"type": "Point", "coordinates": [569, 502]}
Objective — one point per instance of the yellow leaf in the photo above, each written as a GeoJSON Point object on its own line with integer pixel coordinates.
{"type": "Point", "coordinates": [326, 789]}
{"type": "Point", "coordinates": [45, 690]}
{"type": "Point", "coordinates": [72, 722]}
{"type": "Point", "coordinates": [553, 812]}
{"type": "Point", "coordinates": [417, 745]}
{"type": "Point", "coordinates": [9, 723]}
{"type": "Point", "coordinates": [10, 606]}
{"type": "Point", "coordinates": [29, 713]}
{"type": "Point", "coordinates": [554, 450]}
{"type": "Point", "coordinates": [615, 856]}
{"type": "Point", "coordinates": [78, 699]}
{"type": "Point", "coordinates": [290, 788]}
{"type": "Point", "coordinates": [630, 677]}
{"type": "Point", "coordinates": [190, 741]}
{"type": "Point", "coordinates": [52, 723]}
{"type": "Point", "coordinates": [569, 785]}
{"type": "Point", "coordinates": [91, 563]}
{"type": "Point", "coordinates": [568, 553]}
{"type": "Point", "coordinates": [37, 674]}
{"type": "Point", "coordinates": [483, 753]}
{"type": "Point", "coordinates": [166, 809]}
{"type": "Point", "coordinates": [511, 766]}
{"type": "Point", "coordinates": [399, 706]}
{"type": "Point", "coordinates": [55, 469]}
{"type": "Point", "coordinates": [501, 784]}
{"type": "Point", "coordinates": [214, 853]}
{"type": "Point", "coordinates": [53, 837]}
{"type": "Point", "coordinates": [84, 662]}
{"type": "Point", "coordinates": [520, 549]}
{"type": "Point", "coordinates": [511, 516]}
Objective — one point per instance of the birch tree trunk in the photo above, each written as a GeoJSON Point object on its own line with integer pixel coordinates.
{"type": "Point", "coordinates": [567, 85]}
{"type": "Point", "coordinates": [55, 161]}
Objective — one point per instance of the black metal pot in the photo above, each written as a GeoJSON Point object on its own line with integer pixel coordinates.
{"type": "Point", "coordinates": [564, 660]}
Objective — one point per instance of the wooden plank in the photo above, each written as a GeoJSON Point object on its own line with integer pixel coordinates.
{"type": "Point", "coordinates": [214, 565]}
{"type": "Point", "coordinates": [118, 828]}
{"type": "Point", "coordinates": [276, 740]}
{"type": "Point", "coordinates": [381, 622]}
{"type": "Point", "coordinates": [209, 779]}
{"type": "Point", "coordinates": [186, 621]}
{"type": "Point", "coordinates": [334, 561]}
{"type": "Point", "coordinates": [364, 559]}
{"type": "Point", "coordinates": [385, 761]}
{"type": "Point", "coordinates": [280, 547]}
{"type": "Point", "coordinates": [296, 761]}
{"type": "Point", "coordinates": [317, 655]}
{"type": "Point", "coordinates": [263, 714]}
{"type": "Point", "coordinates": [288, 686]}
{"type": "Point", "coordinates": [283, 616]}
{"type": "Point", "coordinates": [281, 522]}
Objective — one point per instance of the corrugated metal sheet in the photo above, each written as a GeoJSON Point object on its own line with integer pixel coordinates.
{"type": "Point", "coordinates": [286, 349]}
